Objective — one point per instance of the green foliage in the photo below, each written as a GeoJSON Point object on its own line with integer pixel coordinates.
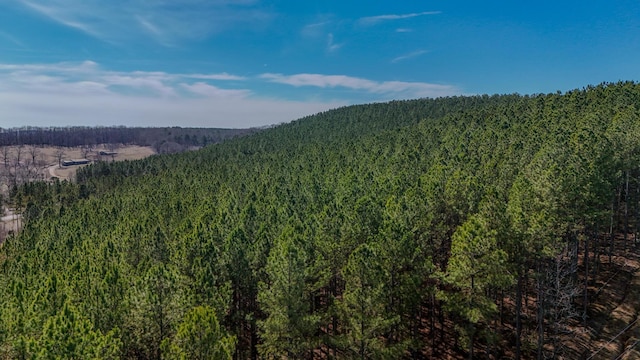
{"type": "Point", "coordinates": [157, 307]}
{"type": "Point", "coordinates": [288, 329]}
{"type": "Point", "coordinates": [363, 306]}
{"type": "Point", "coordinates": [67, 335]}
{"type": "Point", "coordinates": [477, 265]}
{"type": "Point", "coordinates": [200, 337]}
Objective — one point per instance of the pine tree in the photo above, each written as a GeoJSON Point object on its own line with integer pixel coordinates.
{"type": "Point", "coordinates": [477, 265]}
{"type": "Point", "coordinates": [363, 306]}
{"type": "Point", "coordinates": [200, 337]}
{"type": "Point", "coordinates": [68, 335]}
{"type": "Point", "coordinates": [288, 329]}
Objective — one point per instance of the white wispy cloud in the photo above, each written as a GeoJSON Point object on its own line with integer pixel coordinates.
{"type": "Point", "coordinates": [408, 56]}
{"type": "Point", "coordinates": [332, 46]}
{"type": "Point", "coordinates": [67, 76]}
{"type": "Point", "coordinates": [147, 25]}
{"type": "Point", "coordinates": [62, 67]}
{"type": "Point", "coordinates": [370, 20]}
{"type": "Point", "coordinates": [322, 30]}
{"type": "Point", "coordinates": [167, 22]}
{"type": "Point", "coordinates": [12, 39]}
{"type": "Point", "coordinates": [210, 91]}
{"type": "Point", "coordinates": [319, 80]}
{"type": "Point", "coordinates": [315, 29]}
{"type": "Point", "coordinates": [148, 84]}
{"type": "Point", "coordinates": [78, 18]}
{"type": "Point", "coordinates": [220, 76]}
{"type": "Point", "coordinates": [84, 93]}
{"type": "Point", "coordinates": [390, 88]}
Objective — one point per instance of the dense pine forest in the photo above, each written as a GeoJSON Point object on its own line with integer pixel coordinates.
{"type": "Point", "coordinates": [464, 227]}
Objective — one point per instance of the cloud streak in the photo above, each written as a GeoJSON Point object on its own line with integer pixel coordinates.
{"type": "Point", "coordinates": [210, 91]}
{"type": "Point", "coordinates": [389, 88]}
{"type": "Point", "coordinates": [12, 39]}
{"type": "Point", "coordinates": [408, 56]}
{"type": "Point", "coordinates": [315, 30]}
{"type": "Point", "coordinates": [67, 77]}
{"type": "Point", "coordinates": [332, 46]}
{"type": "Point", "coordinates": [371, 20]}
{"type": "Point", "coordinates": [77, 18]}
{"type": "Point", "coordinates": [222, 76]}
{"type": "Point", "coordinates": [167, 22]}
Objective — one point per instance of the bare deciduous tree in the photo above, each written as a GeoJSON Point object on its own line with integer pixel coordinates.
{"type": "Point", "coordinates": [59, 155]}
{"type": "Point", "coordinates": [6, 152]}
{"type": "Point", "coordinates": [18, 152]}
{"type": "Point", "coordinates": [556, 292]}
{"type": "Point", "coordinates": [16, 164]}
{"type": "Point", "coordinates": [33, 152]}
{"type": "Point", "coordinates": [42, 160]}
{"type": "Point", "coordinates": [85, 151]}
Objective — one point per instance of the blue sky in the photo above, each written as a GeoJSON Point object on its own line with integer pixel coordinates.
{"type": "Point", "coordinates": [239, 63]}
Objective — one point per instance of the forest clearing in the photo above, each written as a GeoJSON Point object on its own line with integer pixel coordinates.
{"type": "Point", "coordinates": [120, 153]}
{"type": "Point", "coordinates": [26, 163]}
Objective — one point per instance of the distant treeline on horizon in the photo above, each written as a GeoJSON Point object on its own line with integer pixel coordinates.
{"type": "Point", "coordinates": [160, 138]}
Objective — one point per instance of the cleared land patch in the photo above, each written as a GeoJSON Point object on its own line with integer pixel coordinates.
{"type": "Point", "coordinates": [132, 152]}
{"type": "Point", "coordinates": [20, 164]}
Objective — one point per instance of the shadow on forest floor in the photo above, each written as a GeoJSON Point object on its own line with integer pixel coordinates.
{"type": "Point", "coordinates": [613, 326]}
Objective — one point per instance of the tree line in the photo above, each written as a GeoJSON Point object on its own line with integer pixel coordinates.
{"type": "Point", "coordinates": [162, 139]}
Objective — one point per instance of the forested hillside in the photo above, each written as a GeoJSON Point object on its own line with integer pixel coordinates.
{"type": "Point", "coordinates": [411, 229]}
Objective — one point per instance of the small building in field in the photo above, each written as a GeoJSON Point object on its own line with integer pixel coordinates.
{"type": "Point", "coordinates": [75, 162]}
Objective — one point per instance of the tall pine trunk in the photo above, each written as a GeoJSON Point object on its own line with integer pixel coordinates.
{"type": "Point", "coordinates": [519, 315]}
{"type": "Point", "coordinates": [585, 260]}
{"type": "Point", "coordinates": [611, 234]}
{"type": "Point", "coordinates": [626, 209]}
{"type": "Point", "coordinates": [540, 314]}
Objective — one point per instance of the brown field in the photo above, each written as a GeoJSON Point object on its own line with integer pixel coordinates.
{"type": "Point", "coordinates": [46, 166]}
{"type": "Point", "coordinates": [130, 152]}
{"type": "Point", "coordinates": [46, 158]}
